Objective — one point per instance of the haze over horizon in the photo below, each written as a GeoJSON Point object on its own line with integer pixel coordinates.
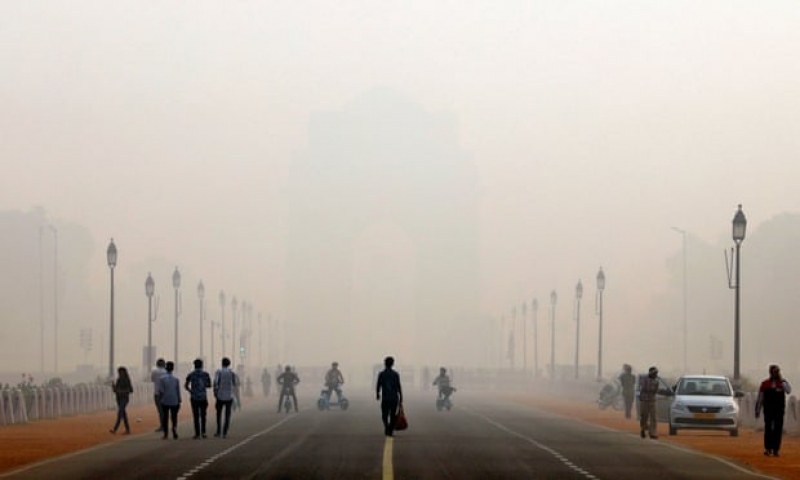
{"type": "Point", "coordinates": [480, 154]}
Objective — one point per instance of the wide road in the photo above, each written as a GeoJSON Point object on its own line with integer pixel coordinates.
{"type": "Point", "coordinates": [480, 438]}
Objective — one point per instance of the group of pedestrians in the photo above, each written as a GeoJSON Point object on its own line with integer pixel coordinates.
{"type": "Point", "coordinates": [167, 397]}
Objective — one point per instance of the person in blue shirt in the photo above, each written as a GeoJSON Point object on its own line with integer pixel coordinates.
{"type": "Point", "coordinates": [169, 391]}
{"type": "Point", "coordinates": [197, 382]}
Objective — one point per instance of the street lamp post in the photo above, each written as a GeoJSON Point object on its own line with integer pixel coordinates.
{"type": "Point", "coordinates": [601, 285]}
{"type": "Point", "coordinates": [578, 296]}
{"type": "Point", "coordinates": [222, 320]}
{"type": "Point", "coordinates": [685, 303]}
{"type": "Point", "coordinates": [55, 296]}
{"type": "Point", "coordinates": [176, 284]}
{"type": "Point", "coordinates": [553, 299]}
{"type": "Point", "coordinates": [111, 257]}
{"type": "Point", "coordinates": [738, 233]}
{"type": "Point", "coordinates": [524, 337]}
{"type": "Point", "coordinates": [513, 338]}
{"type": "Point", "coordinates": [201, 293]}
{"type": "Point", "coordinates": [534, 312]}
{"type": "Point", "coordinates": [149, 290]}
{"type": "Point", "coordinates": [234, 305]}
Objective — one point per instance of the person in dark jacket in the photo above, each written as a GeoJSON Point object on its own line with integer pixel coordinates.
{"type": "Point", "coordinates": [388, 385]}
{"type": "Point", "coordinates": [772, 399]}
{"type": "Point", "coordinates": [197, 383]}
{"type": "Point", "coordinates": [628, 382]}
{"type": "Point", "coordinates": [649, 387]}
{"type": "Point", "coordinates": [122, 389]}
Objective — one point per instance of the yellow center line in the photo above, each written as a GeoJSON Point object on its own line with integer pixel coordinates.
{"type": "Point", "coordinates": [388, 468]}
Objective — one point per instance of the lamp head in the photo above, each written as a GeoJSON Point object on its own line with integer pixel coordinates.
{"type": "Point", "coordinates": [601, 280]}
{"type": "Point", "coordinates": [579, 290]}
{"type": "Point", "coordinates": [111, 254]}
{"type": "Point", "coordinates": [739, 225]}
{"type": "Point", "coordinates": [201, 290]}
{"type": "Point", "coordinates": [176, 279]}
{"type": "Point", "coordinates": [149, 285]}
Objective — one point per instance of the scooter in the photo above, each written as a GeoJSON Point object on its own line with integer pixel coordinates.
{"type": "Point", "coordinates": [443, 400]}
{"type": "Point", "coordinates": [324, 402]}
{"type": "Point", "coordinates": [610, 396]}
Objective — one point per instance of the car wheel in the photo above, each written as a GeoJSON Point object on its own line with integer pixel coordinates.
{"type": "Point", "coordinates": [734, 432]}
{"type": "Point", "coordinates": [673, 430]}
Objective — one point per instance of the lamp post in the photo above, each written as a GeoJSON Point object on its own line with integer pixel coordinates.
{"type": "Point", "coordinates": [685, 304]}
{"type": "Point", "coordinates": [234, 305]}
{"type": "Point", "coordinates": [601, 285]}
{"type": "Point", "coordinates": [201, 293]}
{"type": "Point", "coordinates": [534, 312]}
{"type": "Point", "coordinates": [55, 296]}
{"type": "Point", "coordinates": [524, 337]}
{"type": "Point", "coordinates": [512, 342]}
{"type": "Point", "coordinates": [553, 299]}
{"type": "Point", "coordinates": [578, 296]}
{"type": "Point", "coordinates": [738, 233]}
{"type": "Point", "coordinates": [222, 320]}
{"type": "Point", "coordinates": [176, 284]}
{"type": "Point", "coordinates": [149, 290]}
{"type": "Point", "coordinates": [111, 257]}
{"type": "Point", "coordinates": [41, 303]}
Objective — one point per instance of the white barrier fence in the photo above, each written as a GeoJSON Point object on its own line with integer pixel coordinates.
{"type": "Point", "coordinates": [21, 405]}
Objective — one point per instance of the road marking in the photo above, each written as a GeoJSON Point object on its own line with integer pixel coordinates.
{"type": "Point", "coordinates": [228, 450]}
{"type": "Point", "coordinates": [388, 468]}
{"type": "Point", "coordinates": [567, 463]}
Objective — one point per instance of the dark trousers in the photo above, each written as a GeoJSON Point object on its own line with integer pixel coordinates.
{"type": "Point", "coordinates": [122, 415]}
{"type": "Point", "coordinates": [160, 410]}
{"type": "Point", "coordinates": [628, 404]}
{"type": "Point", "coordinates": [199, 408]}
{"type": "Point", "coordinates": [226, 404]}
{"type": "Point", "coordinates": [170, 413]}
{"type": "Point", "coordinates": [388, 415]}
{"type": "Point", "coordinates": [773, 431]}
{"type": "Point", "coordinates": [287, 393]}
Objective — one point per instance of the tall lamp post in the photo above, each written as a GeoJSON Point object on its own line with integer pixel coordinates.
{"type": "Point", "coordinates": [111, 257]}
{"type": "Point", "coordinates": [176, 284]}
{"type": "Point", "coordinates": [234, 305]}
{"type": "Point", "coordinates": [578, 296]}
{"type": "Point", "coordinates": [524, 337]}
{"type": "Point", "coordinates": [534, 312]}
{"type": "Point", "coordinates": [149, 290]}
{"type": "Point", "coordinates": [601, 285]}
{"type": "Point", "coordinates": [222, 320]}
{"type": "Point", "coordinates": [685, 308]}
{"type": "Point", "coordinates": [553, 299]}
{"type": "Point", "coordinates": [55, 296]}
{"type": "Point", "coordinates": [739, 230]}
{"type": "Point", "coordinates": [201, 293]}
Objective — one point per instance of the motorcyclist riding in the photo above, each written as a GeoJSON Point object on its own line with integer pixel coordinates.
{"type": "Point", "coordinates": [333, 379]}
{"type": "Point", "coordinates": [443, 382]}
{"type": "Point", "coordinates": [287, 380]}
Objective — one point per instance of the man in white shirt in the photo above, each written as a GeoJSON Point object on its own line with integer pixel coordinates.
{"type": "Point", "coordinates": [225, 381]}
{"type": "Point", "coordinates": [155, 376]}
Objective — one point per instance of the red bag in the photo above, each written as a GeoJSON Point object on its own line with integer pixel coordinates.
{"type": "Point", "coordinates": [400, 422]}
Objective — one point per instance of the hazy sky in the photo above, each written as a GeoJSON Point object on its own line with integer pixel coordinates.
{"type": "Point", "coordinates": [592, 126]}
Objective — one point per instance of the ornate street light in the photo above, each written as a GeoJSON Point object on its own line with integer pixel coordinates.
{"type": "Point", "coordinates": [111, 257]}
{"type": "Point", "coordinates": [201, 293]}
{"type": "Point", "coordinates": [176, 284]}
{"type": "Point", "coordinates": [601, 285]}
{"type": "Point", "coordinates": [553, 299]}
{"type": "Point", "coordinates": [578, 296]}
{"type": "Point", "coordinates": [738, 232]}
{"type": "Point", "coordinates": [149, 290]}
{"type": "Point", "coordinates": [534, 313]}
{"type": "Point", "coordinates": [222, 320]}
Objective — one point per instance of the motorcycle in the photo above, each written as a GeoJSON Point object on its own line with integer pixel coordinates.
{"type": "Point", "coordinates": [325, 403]}
{"type": "Point", "coordinates": [611, 396]}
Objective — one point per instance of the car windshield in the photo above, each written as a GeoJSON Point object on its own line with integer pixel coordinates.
{"type": "Point", "coordinates": [704, 386]}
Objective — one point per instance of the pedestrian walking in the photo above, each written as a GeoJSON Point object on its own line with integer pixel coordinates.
{"type": "Point", "coordinates": [225, 381]}
{"type": "Point", "coordinates": [197, 382]}
{"type": "Point", "coordinates": [628, 382]}
{"type": "Point", "coordinates": [772, 399]}
{"type": "Point", "coordinates": [648, 390]}
{"type": "Point", "coordinates": [169, 389]}
{"type": "Point", "coordinates": [388, 385]}
{"type": "Point", "coordinates": [155, 376]}
{"type": "Point", "coordinates": [122, 389]}
{"type": "Point", "coordinates": [266, 382]}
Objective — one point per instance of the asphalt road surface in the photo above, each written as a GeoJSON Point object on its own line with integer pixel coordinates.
{"type": "Point", "coordinates": [481, 438]}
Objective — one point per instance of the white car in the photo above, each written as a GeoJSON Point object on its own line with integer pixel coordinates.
{"type": "Point", "coordinates": [705, 402]}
